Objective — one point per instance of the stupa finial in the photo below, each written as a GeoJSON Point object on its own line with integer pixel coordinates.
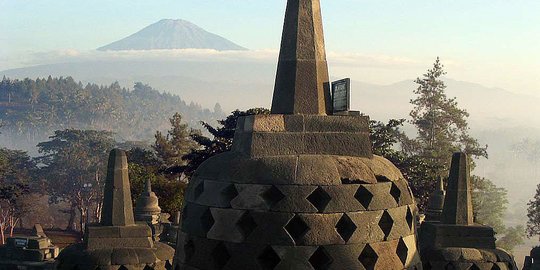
{"type": "Point", "coordinates": [458, 201]}
{"type": "Point", "coordinates": [302, 81]}
{"type": "Point", "coordinates": [117, 205]}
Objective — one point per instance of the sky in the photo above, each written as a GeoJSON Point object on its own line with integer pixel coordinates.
{"type": "Point", "coordinates": [492, 42]}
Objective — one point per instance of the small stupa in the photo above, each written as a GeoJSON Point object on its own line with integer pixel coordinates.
{"type": "Point", "coordinates": [32, 252]}
{"type": "Point", "coordinates": [456, 242]}
{"type": "Point", "coordinates": [147, 210]}
{"type": "Point", "coordinates": [117, 242]}
{"type": "Point", "coordinates": [532, 262]}
{"type": "Point", "coordinates": [301, 188]}
{"type": "Point", "coordinates": [436, 203]}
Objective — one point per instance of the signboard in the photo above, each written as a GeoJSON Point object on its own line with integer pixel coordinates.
{"type": "Point", "coordinates": [21, 242]}
{"type": "Point", "coordinates": [341, 95]}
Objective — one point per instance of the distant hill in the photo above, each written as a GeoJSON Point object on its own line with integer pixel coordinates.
{"type": "Point", "coordinates": [31, 110]}
{"type": "Point", "coordinates": [172, 34]}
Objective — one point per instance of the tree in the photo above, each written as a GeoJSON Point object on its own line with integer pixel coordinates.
{"type": "Point", "coordinates": [16, 170]}
{"type": "Point", "coordinates": [144, 164]}
{"type": "Point", "coordinates": [441, 125]}
{"type": "Point", "coordinates": [222, 140]}
{"type": "Point", "coordinates": [73, 164]}
{"type": "Point", "coordinates": [513, 236]}
{"type": "Point", "coordinates": [172, 147]}
{"type": "Point", "coordinates": [533, 215]}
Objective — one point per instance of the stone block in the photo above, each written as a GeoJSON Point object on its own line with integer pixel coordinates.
{"type": "Point", "coordinates": [342, 199]}
{"type": "Point", "coordinates": [225, 225]}
{"type": "Point", "coordinates": [413, 256]}
{"type": "Point", "coordinates": [145, 256]}
{"type": "Point", "coordinates": [294, 123]}
{"type": "Point", "coordinates": [318, 123]}
{"type": "Point", "coordinates": [336, 143]}
{"type": "Point", "coordinates": [245, 256]}
{"type": "Point", "coordinates": [322, 230]}
{"type": "Point", "coordinates": [265, 123]}
{"type": "Point", "coordinates": [294, 257]}
{"type": "Point", "coordinates": [270, 228]}
{"type": "Point", "coordinates": [383, 169]}
{"type": "Point", "coordinates": [264, 170]}
{"type": "Point", "coordinates": [105, 243]}
{"type": "Point", "coordinates": [197, 219]}
{"type": "Point", "coordinates": [274, 144]}
{"type": "Point", "coordinates": [294, 199]}
{"type": "Point", "coordinates": [368, 230]}
{"type": "Point", "coordinates": [437, 235]}
{"type": "Point", "coordinates": [102, 232]}
{"type": "Point", "coordinates": [400, 227]}
{"type": "Point", "coordinates": [38, 243]}
{"type": "Point", "coordinates": [250, 197]}
{"type": "Point", "coordinates": [344, 256]}
{"type": "Point", "coordinates": [381, 196]}
{"type": "Point", "coordinates": [317, 170]}
{"type": "Point", "coordinates": [386, 252]}
{"type": "Point", "coordinates": [135, 231]}
{"type": "Point", "coordinates": [353, 170]}
{"type": "Point", "coordinates": [488, 255]}
{"type": "Point", "coordinates": [406, 197]}
{"type": "Point", "coordinates": [216, 194]}
{"type": "Point", "coordinates": [124, 256]}
{"type": "Point", "coordinates": [471, 254]}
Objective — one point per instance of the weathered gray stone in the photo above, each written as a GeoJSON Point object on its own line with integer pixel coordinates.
{"type": "Point", "coordinates": [226, 228]}
{"type": "Point", "coordinates": [458, 200]}
{"type": "Point", "coordinates": [117, 205]}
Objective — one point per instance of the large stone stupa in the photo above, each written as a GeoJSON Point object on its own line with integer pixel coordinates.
{"type": "Point", "coordinates": [117, 242]}
{"type": "Point", "coordinates": [456, 242]}
{"type": "Point", "coordinates": [301, 188]}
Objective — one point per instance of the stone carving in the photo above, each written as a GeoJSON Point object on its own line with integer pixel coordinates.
{"type": "Point", "coordinates": [117, 242]}
{"type": "Point", "coordinates": [300, 189]}
{"type": "Point", "coordinates": [456, 242]}
{"type": "Point", "coordinates": [33, 252]}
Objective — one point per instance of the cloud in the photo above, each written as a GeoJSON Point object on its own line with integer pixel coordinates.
{"type": "Point", "coordinates": [270, 56]}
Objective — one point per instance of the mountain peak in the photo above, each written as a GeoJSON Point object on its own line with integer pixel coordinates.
{"type": "Point", "coordinates": [172, 34]}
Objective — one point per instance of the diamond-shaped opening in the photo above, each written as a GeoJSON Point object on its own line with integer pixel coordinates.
{"type": "Point", "coordinates": [268, 259]}
{"type": "Point", "coordinates": [207, 221]}
{"type": "Point", "coordinates": [450, 266]}
{"type": "Point", "coordinates": [382, 178]}
{"type": "Point", "coordinates": [368, 258]}
{"type": "Point", "coordinates": [385, 223]}
{"type": "Point", "coordinates": [427, 266]}
{"type": "Point", "coordinates": [296, 228]}
{"type": "Point", "coordinates": [402, 251]}
{"type": "Point", "coordinates": [148, 268]}
{"type": "Point", "coordinates": [189, 250]}
{"type": "Point", "coordinates": [409, 218]}
{"type": "Point", "coordinates": [395, 192]}
{"type": "Point", "coordinates": [199, 189]}
{"type": "Point", "coordinates": [364, 196]}
{"type": "Point", "coordinates": [474, 267]}
{"type": "Point", "coordinates": [345, 227]}
{"type": "Point", "coordinates": [168, 265]}
{"type": "Point", "coordinates": [319, 198]}
{"type": "Point", "coordinates": [122, 267]}
{"type": "Point", "coordinates": [496, 267]}
{"type": "Point", "coordinates": [320, 260]}
{"type": "Point", "coordinates": [246, 224]}
{"type": "Point", "coordinates": [229, 193]}
{"type": "Point", "coordinates": [272, 196]}
{"type": "Point", "coordinates": [220, 256]}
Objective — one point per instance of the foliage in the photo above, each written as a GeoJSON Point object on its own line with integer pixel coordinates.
{"type": "Point", "coordinates": [533, 215]}
{"type": "Point", "coordinates": [172, 147]}
{"type": "Point", "coordinates": [143, 165]}
{"type": "Point", "coordinates": [489, 203]}
{"type": "Point", "coordinates": [222, 139]}
{"type": "Point", "coordinates": [73, 166]}
{"type": "Point", "coordinates": [442, 126]}
{"type": "Point", "coordinates": [16, 169]}
{"type": "Point", "coordinates": [33, 109]}
{"type": "Point", "coordinates": [513, 237]}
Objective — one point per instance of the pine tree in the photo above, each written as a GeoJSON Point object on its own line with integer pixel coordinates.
{"type": "Point", "coordinates": [172, 147]}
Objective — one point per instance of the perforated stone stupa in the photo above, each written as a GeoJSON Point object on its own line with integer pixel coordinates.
{"type": "Point", "coordinates": [117, 242]}
{"type": "Point", "coordinates": [301, 188]}
{"type": "Point", "coordinates": [456, 242]}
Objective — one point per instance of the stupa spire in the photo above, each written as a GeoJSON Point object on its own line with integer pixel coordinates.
{"type": "Point", "coordinates": [458, 201]}
{"type": "Point", "coordinates": [302, 81]}
{"type": "Point", "coordinates": [117, 205]}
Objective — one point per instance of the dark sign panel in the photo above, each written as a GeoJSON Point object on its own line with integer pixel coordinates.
{"type": "Point", "coordinates": [341, 95]}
